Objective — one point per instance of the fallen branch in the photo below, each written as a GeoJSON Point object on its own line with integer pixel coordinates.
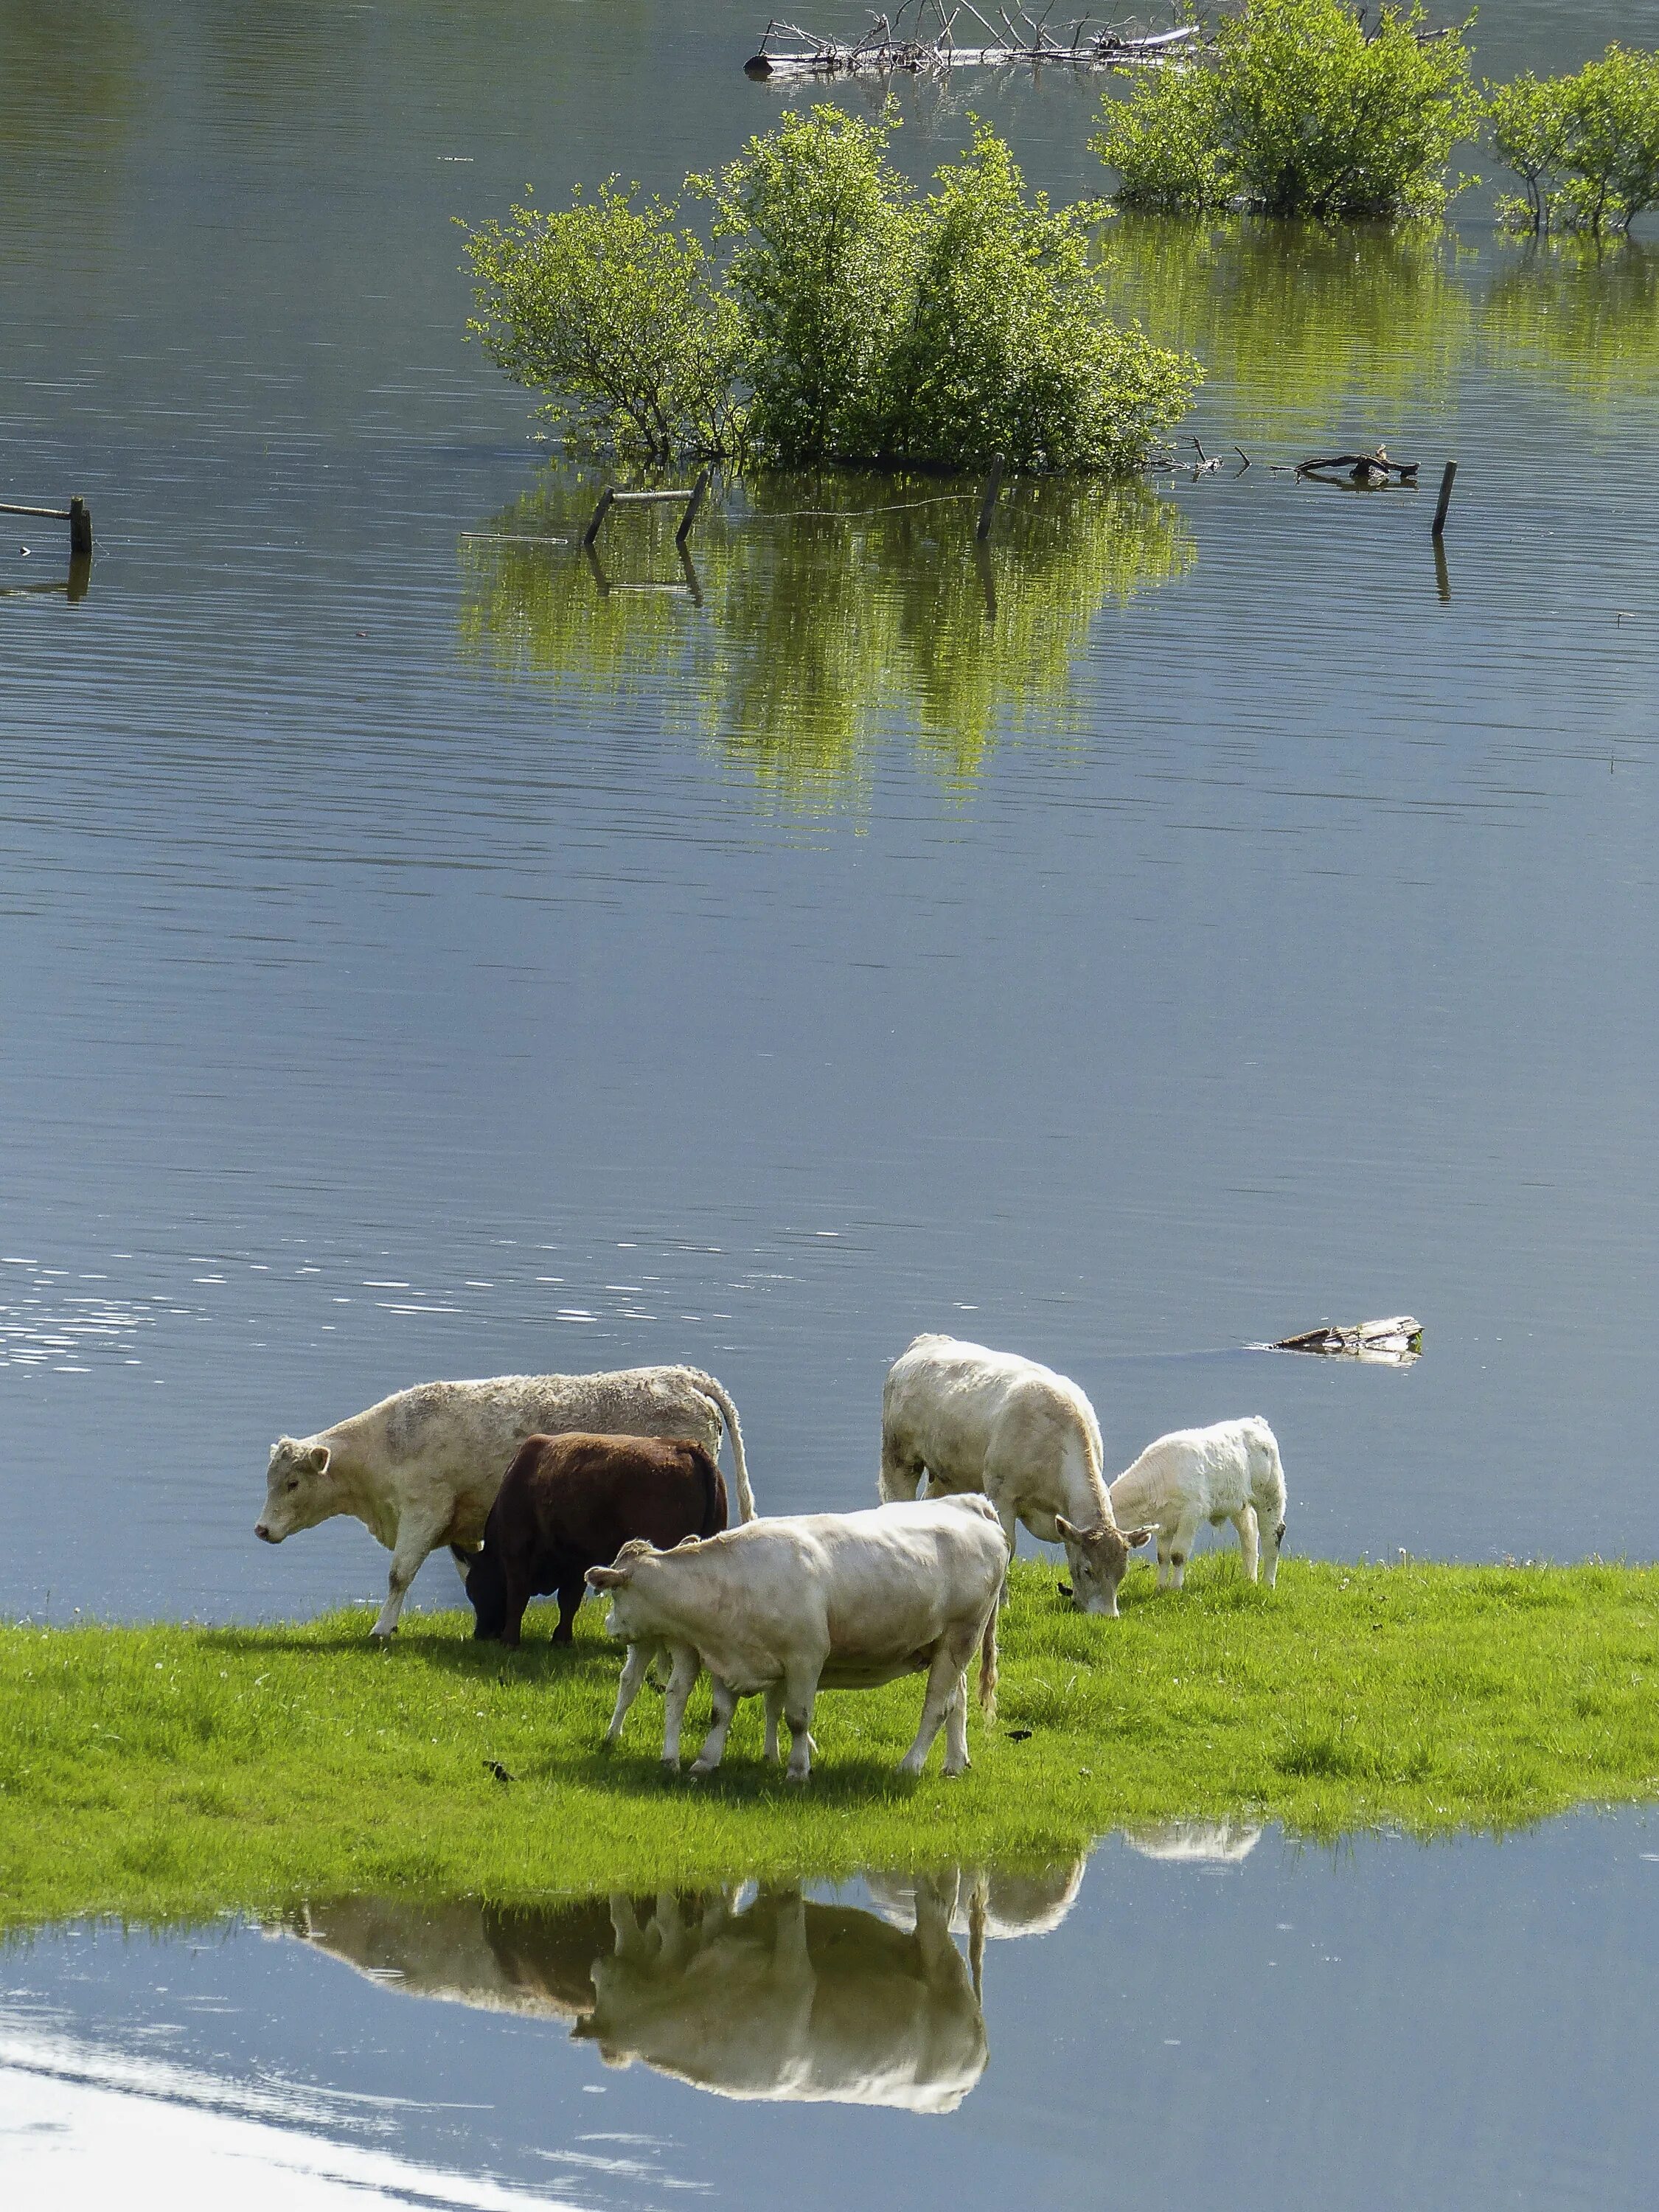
{"type": "Point", "coordinates": [884, 48]}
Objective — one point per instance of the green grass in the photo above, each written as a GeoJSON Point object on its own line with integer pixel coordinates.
{"type": "Point", "coordinates": [171, 1772]}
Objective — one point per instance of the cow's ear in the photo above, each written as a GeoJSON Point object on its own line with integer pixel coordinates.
{"type": "Point", "coordinates": [317, 1459]}
{"type": "Point", "coordinates": [1067, 1533]}
{"type": "Point", "coordinates": [606, 1578]}
{"type": "Point", "coordinates": [1135, 1537]}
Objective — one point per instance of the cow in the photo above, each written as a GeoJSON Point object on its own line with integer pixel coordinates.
{"type": "Point", "coordinates": [973, 1419]}
{"type": "Point", "coordinates": [423, 1469]}
{"type": "Point", "coordinates": [500, 1958]}
{"type": "Point", "coordinates": [832, 1601]}
{"type": "Point", "coordinates": [570, 1503]}
{"type": "Point", "coordinates": [792, 2001]}
{"type": "Point", "coordinates": [1228, 1473]}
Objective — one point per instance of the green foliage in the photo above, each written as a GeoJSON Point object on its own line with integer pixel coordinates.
{"type": "Point", "coordinates": [821, 271]}
{"type": "Point", "coordinates": [171, 1771]}
{"type": "Point", "coordinates": [822, 636]}
{"type": "Point", "coordinates": [1005, 348]}
{"type": "Point", "coordinates": [1585, 147]}
{"type": "Point", "coordinates": [1298, 111]}
{"type": "Point", "coordinates": [610, 308]}
{"type": "Point", "coordinates": [852, 322]}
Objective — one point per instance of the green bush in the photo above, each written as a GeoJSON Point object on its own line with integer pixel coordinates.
{"type": "Point", "coordinates": [1585, 147]}
{"type": "Point", "coordinates": [613, 311]}
{"type": "Point", "coordinates": [853, 321]}
{"type": "Point", "coordinates": [1298, 109]}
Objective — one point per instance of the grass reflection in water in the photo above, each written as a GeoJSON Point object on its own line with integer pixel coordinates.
{"type": "Point", "coordinates": [802, 639]}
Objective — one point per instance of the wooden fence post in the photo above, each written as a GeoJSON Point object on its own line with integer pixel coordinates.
{"type": "Point", "coordinates": [80, 523]}
{"type": "Point", "coordinates": [691, 507]}
{"type": "Point", "coordinates": [597, 516]}
{"type": "Point", "coordinates": [1444, 502]}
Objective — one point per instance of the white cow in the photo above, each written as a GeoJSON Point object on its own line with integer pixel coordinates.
{"type": "Point", "coordinates": [792, 2001]}
{"type": "Point", "coordinates": [1228, 1473]}
{"type": "Point", "coordinates": [811, 1601]}
{"type": "Point", "coordinates": [423, 1469]}
{"type": "Point", "coordinates": [973, 1419]}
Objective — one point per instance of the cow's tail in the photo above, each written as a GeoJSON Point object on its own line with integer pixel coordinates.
{"type": "Point", "coordinates": [728, 1413]}
{"type": "Point", "coordinates": [713, 1498]}
{"type": "Point", "coordinates": [987, 1666]}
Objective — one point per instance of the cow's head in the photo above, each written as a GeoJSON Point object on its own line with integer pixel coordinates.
{"type": "Point", "coordinates": [617, 1578]}
{"type": "Point", "coordinates": [1097, 1558]}
{"type": "Point", "coordinates": [486, 1590]}
{"type": "Point", "coordinates": [299, 1490]}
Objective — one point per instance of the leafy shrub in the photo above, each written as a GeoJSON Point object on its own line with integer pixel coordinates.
{"type": "Point", "coordinates": [613, 311]}
{"type": "Point", "coordinates": [1298, 109]}
{"type": "Point", "coordinates": [1585, 147]}
{"type": "Point", "coordinates": [1006, 348]}
{"type": "Point", "coordinates": [821, 271]}
{"type": "Point", "coordinates": [852, 322]}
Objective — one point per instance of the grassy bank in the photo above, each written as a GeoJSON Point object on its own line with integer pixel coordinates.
{"type": "Point", "coordinates": [167, 1770]}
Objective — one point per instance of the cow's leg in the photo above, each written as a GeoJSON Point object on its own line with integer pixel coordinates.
{"type": "Point", "coordinates": [800, 1689]}
{"type": "Point", "coordinates": [518, 1594]}
{"type": "Point", "coordinates": [1273, 1537]}
{"type": "Point", "coordinates": [1244, 1521]}
{"type": "Point", "coordinates": [955, 1730]}
{"type": "Point", "coordinates": [571, 1597]}
{"type": "Point", "coordinates": [1162, 1558]}
{"type": "Point", "coordinates": [416, 1540]}
{"type": "Point", "coordinates": [774, 1713]}
{"type": "Point", "coordinates": [714, 1744]}
{"type": "Point", "coordinates": [944, 1678]}
{"type": "Point", "coordinates": [682, 1676]}
{"type": "Point", "coordinates": [1181, 1547]}
{"type": "Point", "coordinates": [635, 1665]}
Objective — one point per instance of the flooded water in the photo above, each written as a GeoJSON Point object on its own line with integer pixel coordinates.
{"type": "Point", "coordinates": [1207, 914]}
{"type": "Point", "coordinates": [1275, 2024]}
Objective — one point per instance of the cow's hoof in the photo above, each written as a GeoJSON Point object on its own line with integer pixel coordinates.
{"type": "Point", "coordinates": [799, 1777]}
{"type": "Point", "coordinates": [381, 1635]}
{"type": "Point", "coordinates": [697, 1769]}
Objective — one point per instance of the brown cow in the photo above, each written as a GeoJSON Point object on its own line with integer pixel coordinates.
{"type": "Point", "coordinates": [570, 1503]}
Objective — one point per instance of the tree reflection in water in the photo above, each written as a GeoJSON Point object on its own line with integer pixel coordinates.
{"type": "Point", "coordinates": [803, 640]}
{"type": "Point", "coordinates": [1584, 311]}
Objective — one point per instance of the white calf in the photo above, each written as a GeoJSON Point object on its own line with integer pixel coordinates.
{"type": "Point", "coordinates": [1228, 1473]}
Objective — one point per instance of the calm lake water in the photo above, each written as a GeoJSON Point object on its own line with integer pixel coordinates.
{"type": "Point", "coordinates": [1209, 915]}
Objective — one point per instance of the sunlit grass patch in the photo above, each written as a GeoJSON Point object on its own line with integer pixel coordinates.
{"type": "Point", "coordinates": [161, 1771]}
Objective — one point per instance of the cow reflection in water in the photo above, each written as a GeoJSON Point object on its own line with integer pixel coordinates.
{"type": "Point", "coordinates": [787, 1999]}
{"type": "Point", "coordinates": [1211, 1843]}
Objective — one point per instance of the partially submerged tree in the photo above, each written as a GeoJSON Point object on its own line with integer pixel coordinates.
{"type": "Point", "coordinates": [1585, 147]}
{"type": "Point", "coordinates": [853, 321]}
{"type": "Point", "coordinates": [1298, 109]}
{"type": "Point", "coordinates": [1006, 348]}
{"type": "Point", "coordinates": [614, 311]}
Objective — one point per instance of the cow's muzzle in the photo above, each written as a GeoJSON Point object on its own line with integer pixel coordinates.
{"type": "Point", "coordinates": [264, 1534]}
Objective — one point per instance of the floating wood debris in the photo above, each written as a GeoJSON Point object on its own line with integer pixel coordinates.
{"type": "Point", "coordinates": [78, 515]}
{"type": "Point", "coordinates": [1373, 469]}
{"type": "Point", "coordinates": [930, 45]}
{"type": "Point", "coordinates": [1395, 1343]}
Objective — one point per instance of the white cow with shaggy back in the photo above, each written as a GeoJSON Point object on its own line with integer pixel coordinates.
{"type": "Point", "coordinates": [972, 1419]}
{"type": "Point", "coordinates": [817, 1600]}
{"type": "Point", "coordinates": [422, 1468]}
{"type": "Point", "coordinates": [1228, 1473]}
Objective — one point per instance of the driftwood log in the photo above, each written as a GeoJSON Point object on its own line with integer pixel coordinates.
{"type": "Point", "coordinates": [1363, 468]}
{"type": "Point", "coordinates": [1395, 1343]}
{"type": "Point", "coordinates": [930, 45]}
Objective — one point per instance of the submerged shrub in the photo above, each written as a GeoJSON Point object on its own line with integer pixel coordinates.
{"type": "Point", "coordinates": [613, 311]}
{"type": "Point", "coordinates": [821, 271]}
{"type": "Point", "coordinates": [853, 322]}
{"type": "Point", "coordinates": [1585, 147]}
{"type": "Point", "coordinates": [1298, 109]}
{"type": "Point", "coordinates": [1006, 348]}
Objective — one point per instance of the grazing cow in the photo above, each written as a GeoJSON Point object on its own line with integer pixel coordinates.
{"type": "Point", "coordinates": [570, 1503]}
{"type": "Point", "coordinates": [423, 1469]}
{"type": "Point", "coordinates": [793, 2001]}
{"type": "Point", "coordinates": [972, 1419]}
{"type": "Point", "coordinates": [832, 1601]}
{"type": "Point", "coordinates": [1229, 1472]}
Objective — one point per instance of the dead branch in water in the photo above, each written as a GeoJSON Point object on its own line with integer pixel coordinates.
{"type": "Point", "coordinates": [886, 47]}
